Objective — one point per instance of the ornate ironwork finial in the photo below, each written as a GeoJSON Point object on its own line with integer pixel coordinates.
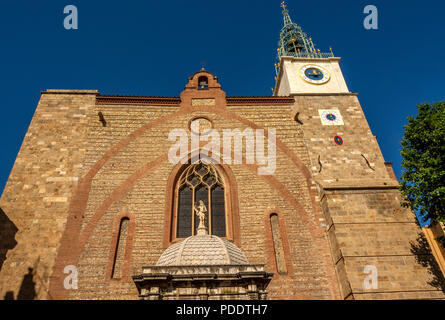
{"type": "Point", "coordinates": [294, 42]}
{"type": "Point", "coordinates": [202, 66]}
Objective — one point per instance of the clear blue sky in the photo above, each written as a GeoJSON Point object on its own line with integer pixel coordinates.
{"type": "Point", "coordinates": [151, 48]}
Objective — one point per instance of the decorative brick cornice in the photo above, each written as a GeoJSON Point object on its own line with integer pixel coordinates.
{"type": "Point", "coordinates": [135, 100]}
{"type": "Point", "coordinates": [69, 91]}
{"type": "Point", "coordinates": [138, 100]}
{"type": "Point", "coordinates": [353, 94]}
{"type": "Point", "coordinates": [259, 100]}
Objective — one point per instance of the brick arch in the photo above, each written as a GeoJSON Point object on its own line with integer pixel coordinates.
{"type": "Point", "coordinates": [73, 240]}
{"type": "Point", "coordinates": [212, 82]}
{"type": "Point", "coordinates": [248, 123]}
{"type": "Point", "coordinates": [124, 187]}
{"type": "Point", "coordinates": [120, 192]}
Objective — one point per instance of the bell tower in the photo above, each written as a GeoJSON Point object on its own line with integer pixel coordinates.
{"type": "Point", "coordinates": [366, 227]}
{"type": "Point", "coordinates": [302, 68]}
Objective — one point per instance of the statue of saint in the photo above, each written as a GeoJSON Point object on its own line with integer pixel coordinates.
{"type": "Point", "coordinates": [200, 211]}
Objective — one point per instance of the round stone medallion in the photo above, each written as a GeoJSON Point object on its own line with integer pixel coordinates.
{"type": "Point", "coordinates": [200, 125]}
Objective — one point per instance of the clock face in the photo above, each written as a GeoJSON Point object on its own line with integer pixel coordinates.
{"type": "Point", "coordinates": [315, 74]}
{"type": "Point", "coordinates": [331, 117]}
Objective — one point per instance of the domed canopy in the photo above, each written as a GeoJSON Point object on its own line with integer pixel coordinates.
{"type": "Point", "coordinates": [202, 250]}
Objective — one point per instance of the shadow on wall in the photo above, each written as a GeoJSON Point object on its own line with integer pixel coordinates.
{"type": "Point", "coordinates": [7, 235]}
{"type": "Point", "coordinates": [421, 249]}
{"type": "Point", "coordinates": [27, 288]}
{"type": "Point", "coordinates": [7, 242]}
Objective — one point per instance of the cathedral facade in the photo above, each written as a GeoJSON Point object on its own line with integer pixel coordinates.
{"type": "Point", "coordinates": [205, 196]}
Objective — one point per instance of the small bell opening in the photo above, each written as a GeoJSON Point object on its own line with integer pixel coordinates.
{"type": "Point", "coordinates": [203, 83]}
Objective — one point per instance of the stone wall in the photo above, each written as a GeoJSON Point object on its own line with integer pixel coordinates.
{"type": "Point", "coordinates": [361, 205]}
{"type": "Point", "coordinates": [89, 161]}
{"type": "Point", "coordinates": [40, 187]}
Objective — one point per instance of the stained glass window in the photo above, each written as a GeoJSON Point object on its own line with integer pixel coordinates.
{"type": "Point", "coordinates": [185, 203]}
{"type": "Point", "coordinates": [218, 212]}
{"type": "Point", "coordinates": [201, 182]}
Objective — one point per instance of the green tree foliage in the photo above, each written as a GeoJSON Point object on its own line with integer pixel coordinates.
{"type": "Point", "coordinates": [423, 175]}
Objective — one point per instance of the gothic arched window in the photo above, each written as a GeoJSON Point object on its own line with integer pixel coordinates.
{"type": "Point", "coordinates": [200, 182]}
